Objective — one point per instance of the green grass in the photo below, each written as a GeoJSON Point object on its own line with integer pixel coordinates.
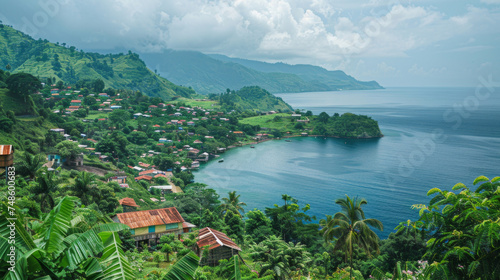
{"type": "Point", "coordinates": [96, 115]}
{"type": "Point", "coordinates": [283, 125]}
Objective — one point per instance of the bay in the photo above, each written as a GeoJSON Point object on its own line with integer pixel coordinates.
{"type": "Point", "coordinates": [434, 137]}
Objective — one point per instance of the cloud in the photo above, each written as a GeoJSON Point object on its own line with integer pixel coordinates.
{"type": "Point", "coordinates": [296, 31]}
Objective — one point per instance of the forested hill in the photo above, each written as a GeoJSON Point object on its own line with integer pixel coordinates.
{"type": "Point", "coordinates": [334, 80]}
{"type": "Point", "coordinates": [21, 53]}
{"type": "Point", "coordinates": [251, 98]}
{"type": "Point", "coordinates": [213, 74]}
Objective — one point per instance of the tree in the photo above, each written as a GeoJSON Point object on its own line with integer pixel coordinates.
{"type": "Point", "coordinates": [84, 186]}
{"type": "Point", "coordinates": [323, 117]}
{"type": "Point", "coordinates": [350, 227]}
{"type": "Point", "coordinates": [258, 225]}
{"type": "Point", "coordinates": [68, 150]}
{"type": "Point", "coordinates": [292, 222]}
{"type": "Point", "coordinates": [119, 117]}
{"type": "Point", "coordinates": [29, 164]}
{"type": "Point", "coordinates": [279, 258]}
{"type": "Point", "coordinates": [232, 202]}
{"type": "Point", "coordinates": [465, 230]}
{"type": "Point", "coordinates": [98, 85]}
{"type": "Point", "coordinates": [23, 84]}
{"type": "Point", "coordinates": [45, 187]}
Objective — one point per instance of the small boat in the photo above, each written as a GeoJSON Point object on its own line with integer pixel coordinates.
{"type": "Point", "coordinates": [221, 160]}
{"type": "Point", "coordinates": [252, 147]}
{"type": "Point", "coordinates": [287, 140]}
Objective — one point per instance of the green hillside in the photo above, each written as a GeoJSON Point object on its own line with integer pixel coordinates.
{"type": "Point", "coordinates": [251, 98]}
{"type": "Point", "coordinates": [21, 53]}
{"type": "Point", "coordinates": [208, 75]}
{"type": "Point", "coordinates": [214, 73]}
{"type": "Point", "coordinates": [333, 80]}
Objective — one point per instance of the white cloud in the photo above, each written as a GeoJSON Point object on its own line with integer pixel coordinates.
{"type": "Point", "coordinates": [297, 31]}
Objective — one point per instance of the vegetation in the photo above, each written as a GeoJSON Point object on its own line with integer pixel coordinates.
{"type": "Point", "coordinates": [61, 215]}
{"type": "Point", "coordinates": [250, 99]}
{"type": "Point", "coordinates": [214, 73]}
{"type": "Point", "coordinates": [46, 60]}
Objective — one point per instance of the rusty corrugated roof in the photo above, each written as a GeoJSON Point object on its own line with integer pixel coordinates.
{"type": "Point", "coordinates": [6, 150]}
{"type": "Point", "coordinates": [213, 238]}
{"type": "Point", "coordinates": [147, 218]}
{"type": "Point", "coordinates": [128, 202]}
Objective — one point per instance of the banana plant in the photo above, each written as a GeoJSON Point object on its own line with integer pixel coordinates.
{"type": "Point", "coordinates": [61, 247]}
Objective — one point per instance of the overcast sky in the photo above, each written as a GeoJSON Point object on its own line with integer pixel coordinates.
{"type": "Point", "coordinates": [397, 43]}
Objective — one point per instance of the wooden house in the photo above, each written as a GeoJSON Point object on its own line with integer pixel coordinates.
{"type": "Point", "coordinates": [219, 245]}
{"type": "Point", "coordinates": [6, 155]}
{"type": "Point", "coordinates": [149, 225]}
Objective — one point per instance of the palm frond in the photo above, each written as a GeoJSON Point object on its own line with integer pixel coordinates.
{"type": "Point", "coordinates": [56, 225]}
{"type": "Point", "coordinates": [113, 260]}
{"type": "Point", "coordinates": [184, 268]}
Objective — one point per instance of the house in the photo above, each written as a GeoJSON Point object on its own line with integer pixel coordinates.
{"type": "Point", "coordinates": [54, 90]}
{"type": "Point", "coordinates": [239, 133]}
{"type": "Point", "coordinates": [190, 123]}
{"type": "Point", "coordinates": [219, 245]}
{"type": "Point", "coordinates": [144, 177]}
{"type": "Point", "coordinates": [77, 161]}
{"type": "Point", "coordinates": [6, 155]}
{"type": "Point", "coordinates": [113, 107]}
{"type": "Point", "coordinates": [76, 103]}
{"type": "Point", "coordinates": [105, 95]}
{"type": "Point", "coordinates": [149, 225]}
{"type": "Point", "coordinates": [58, 130]}
{"type": "Point", "coordinates": [304, 134]}
{"type": "Point", "coordinates": [118, 179]}
{"type": "Point", "coordinates": [128, 204]}
{"type": "Point", "coordinates": [164, 189]}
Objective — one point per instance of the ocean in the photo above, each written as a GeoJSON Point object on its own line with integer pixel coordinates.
{"type": "Point", "coordinates": [433, 137]}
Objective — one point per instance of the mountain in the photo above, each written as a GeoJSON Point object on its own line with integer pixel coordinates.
{"type": "Point", "coordinates": [335, 80]}
{"type": "Point", "coordinates": [208, 75]}
{"type": "Point", "coordinates": [21, 53]}
{"type": "Point", "coordinates": [215, 73]}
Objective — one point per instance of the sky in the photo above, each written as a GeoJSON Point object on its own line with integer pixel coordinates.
{"type": "Point", "coordinates": [397, 43]}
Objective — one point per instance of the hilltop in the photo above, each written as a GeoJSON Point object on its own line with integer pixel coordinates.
{"type": "Point", "coordinates": [214, 73]}
{"type": "Point", "coordinates": [43, 59]}
{"type": "Point", "coordinates": [251, 98]}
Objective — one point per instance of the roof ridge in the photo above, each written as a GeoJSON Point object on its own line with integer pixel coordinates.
{"type": "Point", "coordinates": [216, 238]}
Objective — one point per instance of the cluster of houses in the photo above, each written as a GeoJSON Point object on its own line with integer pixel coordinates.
{"type": "Point", "coordinates": [148, 226]}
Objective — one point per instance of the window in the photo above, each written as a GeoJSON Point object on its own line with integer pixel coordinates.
{"type": "Point", "coordinates": [132, 231]}
{"type": "Point", "coordinates": [151, 229]}
{"type": "Point", "coordinates": [171, 226]}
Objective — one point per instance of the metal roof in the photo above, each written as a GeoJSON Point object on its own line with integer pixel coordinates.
{"type": "Point", "coordinates": [127, 201]}
{"type": "Point", "coordinates": [6, 150]}
{"type": "Point", "coordinates": [147, 218]}
{"type": "Point", "coordinates": [213, 238]}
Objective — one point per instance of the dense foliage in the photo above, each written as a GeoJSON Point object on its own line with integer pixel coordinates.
{"type": "Point", "coordinates": [56, 62]}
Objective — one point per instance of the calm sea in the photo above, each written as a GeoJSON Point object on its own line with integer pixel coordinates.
{"type": "Point", "coordinates": [434, 137]}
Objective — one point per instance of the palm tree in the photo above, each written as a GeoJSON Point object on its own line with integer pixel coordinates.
{"type": "Point", "coordinates": [29, 164]}
{"type": "Point", "coordinates": [350, 227]}
{"type": "Point", "coordinates": [46, 186]}
{"type": "Point", "coordinates": [83, 187]}
{"type": "Point", "coordinates": [233, 202]}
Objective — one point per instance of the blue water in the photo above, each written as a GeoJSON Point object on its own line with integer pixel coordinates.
{"type": "Point", "coordinates": [434, 137]}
